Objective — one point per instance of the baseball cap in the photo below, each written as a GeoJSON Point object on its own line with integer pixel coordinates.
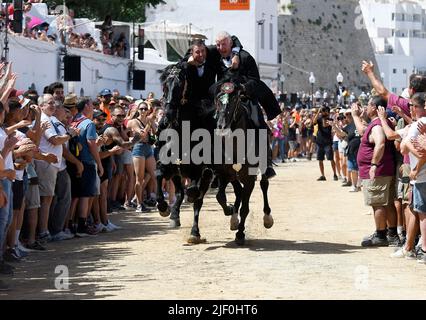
{"type": "Point", "coordinates": [99, 113]}
{"type": "Point", "coordinates": [105, 92]}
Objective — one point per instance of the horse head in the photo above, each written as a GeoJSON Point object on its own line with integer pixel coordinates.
{"type": "Point", "coordinates": [174, 84]}
{"type": "Point", "coordinates": [228, 106]}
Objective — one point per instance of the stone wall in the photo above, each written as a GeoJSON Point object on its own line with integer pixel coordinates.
{"type": "Point", "coordinates": [320, 37]}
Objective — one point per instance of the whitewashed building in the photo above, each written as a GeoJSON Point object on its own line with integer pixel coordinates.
{"type": "Point", "coordinates": [398, 34]}
{"type": "Point", "coordinates": [37, 64]}
{"type": "Point", "coordinates": [255, 24]}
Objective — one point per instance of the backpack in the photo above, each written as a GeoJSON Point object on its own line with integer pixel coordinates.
{"type": "Point", "coordinates": [74, 145]}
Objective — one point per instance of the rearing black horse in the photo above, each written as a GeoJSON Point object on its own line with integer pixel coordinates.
{"type": "Point", "coordinates": [233, 113]}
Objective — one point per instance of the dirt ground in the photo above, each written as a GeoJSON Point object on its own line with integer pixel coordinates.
{"type": "Point", "coordinates": [312, 252]}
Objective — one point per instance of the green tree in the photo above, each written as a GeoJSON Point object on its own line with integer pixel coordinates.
{"type": "Point", "coordinates": [120, 10]}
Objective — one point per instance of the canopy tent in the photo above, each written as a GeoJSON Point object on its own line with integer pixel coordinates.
{"type": "Point", "coordinates": [178, 36]}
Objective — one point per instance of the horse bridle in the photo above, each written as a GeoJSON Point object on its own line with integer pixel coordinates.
{"type": "Point", "coordinates": [238, 104]}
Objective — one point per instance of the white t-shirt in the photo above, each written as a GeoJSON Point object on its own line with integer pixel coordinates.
{"type": "Point", "coordinates": [413, 133]}
{"type": "Point", "coordinates": [8, 161]}
{"type": "Point", "coordinates": [63, 131]}
{"type": "Point", "coordinates": [46, 146]}
{"type": "Point", "coordinates": [20, 173]}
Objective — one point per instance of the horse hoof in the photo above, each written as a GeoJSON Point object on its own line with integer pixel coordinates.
{"type": "Point", "coordinates": [235, 222]}
{"type": "Point", "coordinates": [162, 206]}
{"type": "Point", "coordinates": [196, 240]}
{"type": "Point", "coordinates": [165, 213]}
{"type": "Point", "coordinates": [240, 242]}
{"type": "Point", "coordinates": [174, 223]}
{"type": "Point", "coordinates": [268, 221]}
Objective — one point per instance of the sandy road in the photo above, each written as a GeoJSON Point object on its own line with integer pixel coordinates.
{"type": "Point", "coordinates": [313, 252]}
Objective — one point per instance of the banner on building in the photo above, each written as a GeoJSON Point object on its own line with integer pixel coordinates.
{"type": "Point", "coordinates": [234, 4]}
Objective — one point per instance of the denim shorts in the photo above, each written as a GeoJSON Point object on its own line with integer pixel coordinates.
{"type": "Point", "coordinates": [352, 164]}
{"type": "Point", "coordinates": [335, 145]}
{"type": "Point", "coordinates": [143, 150]}
{"type": "Point", "coordinates": [419, 198]}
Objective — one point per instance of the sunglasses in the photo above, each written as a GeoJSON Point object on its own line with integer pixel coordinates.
{"type": "Point", "coordinates": [101, 119]}
{"type": "Point", "coordinates": [120, 115]}
{"type": "Point", "coordinates": [143, 109]}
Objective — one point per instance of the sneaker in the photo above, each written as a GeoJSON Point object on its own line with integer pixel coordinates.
{"type": "Point", "coordinates": [85, 233]}
{"type": "Point", "coordinates": [21, 253]}
{"type": "Point", "coordinates": [6, 269]}
{"type": "Point", "coordinates": [98, 228]}
{"type": "Point", "coordinates": [21, 248]}
{"type": "Point", "coordinates": [336, 178]}
{"type": "Point", "coordinates": [394, 241]}
{"type": "Point", "coordinates": [68, 231]}
{"type": "Point", "coordinates": [322, 178]}
{"type": "Point", "coordinates": [113, 226]}
{"type": "Point", "coordinates": [142, 209]}
{"type": "Point", "coordinates": [129, 206]}
{"type": "Point", "coordinates": [4, 286]}
{"type": "Point", "coordinates": [61, 236]}
{"type": "Point", "coordinates": [355, 189]}
{"type": "Point", "coordinates": [116, 206]}
{"type": "Point", "coordinates": [44, 237]}
{"type": "Point", "coordinates": [374, 241]}
{"type": "Point", "coordinates": [36, 246]}
{"type": "Point", "coordinates": [283, 161]}
{"type": "Point", "coordinates": [11, 256]}
{"type": "Point", "coordinates": [347, 184]}
{"type": "Point", "coordinates": [402, 253]}
{"type": "Point", "coordinates": [294, 160]}
{"type": "Point", "coordinates": [150, 203]}
{"type": "Point", "coordinates": [421, 256]}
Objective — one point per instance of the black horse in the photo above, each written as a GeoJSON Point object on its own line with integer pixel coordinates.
{"type": "Point", "coordinates": [233, 113]}
{"type": "Point", "coordinates": [178, 112]}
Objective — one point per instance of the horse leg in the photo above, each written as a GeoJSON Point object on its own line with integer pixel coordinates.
{"type": "Point", "coordinates": [206, 179]}
{"type": "Point", "coordinates": [229, 210]}
{"type": "Point", "coordinates": [245, 209]}
{"type": "Point", "coordinates": [193, 192]}
{"type": "Point", "coordinates": [221, 197]}
{"type": "Point", "coordinates": [238, 190]}
{"type": "Point", "coordinates": [180, 193]}
{"type": "Point", "coordinates": [162, 205]}
{"type": "Point", "coordinates": [268, 221]}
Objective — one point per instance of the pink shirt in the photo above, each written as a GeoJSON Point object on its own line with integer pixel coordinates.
{"type": "Point", "coordinates": [386, 166]}
{"type": "Point", "coordinates": [401, 102]}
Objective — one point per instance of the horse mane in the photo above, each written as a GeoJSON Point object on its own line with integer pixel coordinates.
{"type": "Point", "coordinates": [168, 70]}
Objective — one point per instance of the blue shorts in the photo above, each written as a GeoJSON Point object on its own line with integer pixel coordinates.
{"type": "Point", "coordinates": [419, 198]}
{"type": "Point", "coordinates": [335, 145]}
{"type": "Point", "coordinates": [85, 186]}
{"type": "Point", "coordinates": [352, 164]}
{"type": "Point", "coordinates": [142, 150]}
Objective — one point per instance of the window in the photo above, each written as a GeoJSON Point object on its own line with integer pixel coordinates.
{"type": "Point", "coordinates": [403, 17]}
{"type": "Point", "coordinates": [393, 16]}
{"type": "Point", "coordinates": [394, 90]}
{"type": "Point", "coordinates": [404, 71]}
{"type": "Point", "coordinates": [271, 36]}
{"type": "Point", "coordinates": [394, 70]}
{"type": "Point", "coordinates": [280, 58]}
{"type": "Point", "coordinates": [262, 36]}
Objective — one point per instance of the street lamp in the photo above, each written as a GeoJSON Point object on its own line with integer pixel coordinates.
{"type": "Point", "coordinates": [282, 80]}
{"type": "Point", "coordinates": [339, 79]}
{"type": "Point", "coordinates": [312, 82]}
